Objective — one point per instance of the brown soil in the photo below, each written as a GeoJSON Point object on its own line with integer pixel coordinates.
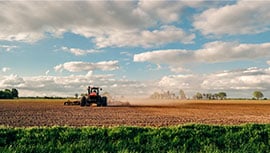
{"type": "Point", "coordinates": [25, 113]}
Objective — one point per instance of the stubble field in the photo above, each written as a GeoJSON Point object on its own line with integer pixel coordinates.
{"type": "Point", "coordinates": [26, 113]}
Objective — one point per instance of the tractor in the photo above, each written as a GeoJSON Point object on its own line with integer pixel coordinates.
{"type": "Point", "coordinates": [94, 97]}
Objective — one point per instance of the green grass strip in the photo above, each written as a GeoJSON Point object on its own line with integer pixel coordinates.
{"type": "Point", "coordinates": [187, 138]}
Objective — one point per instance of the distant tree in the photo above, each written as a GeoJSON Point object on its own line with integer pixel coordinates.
{"type": "Point", "coordinates": [7, 90]}
{"type": "Point", "coordinates": [215, 96]}
{"type": "Point", "coordinates": [209, 96]}
{"type": "Point", "coordinates": [203, 96]}
{"type": "Point", "coordinates": [15, 93]}
{"type": "Point", "coordinates": [257, 94]}
{"type": "Point", "coordinates": [198, 95]}
{"type": "Point", "coordinates": [76, 95]}
{"type": "Point", "coordinates": [182, 94]}
{"type": "Point", "coordinates": [155, 95]}
{"type": "Point", "coordinates": [173, 96]}
{"type": "Point", "coordinates": [167, 95]}
{"type": "Point", "coordinates": [222, 95]}
{"type": "Point", "coordinates": [6, 94]}
{"type": "Point", "coordinates": [163, 95]}
{"type": "Point", "coordinates": [2, 94]}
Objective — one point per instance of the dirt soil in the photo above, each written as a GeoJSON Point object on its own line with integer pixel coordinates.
{"type": "Point", "coordinates": [25, 113]}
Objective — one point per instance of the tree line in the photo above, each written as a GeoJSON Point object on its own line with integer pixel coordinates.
{"type": "Point", "coordinates": [168, 95]}
{"type": "Point", "coordinates": [207, 96]}
{"type": "Point", "coordinates": [9, 93]}
{"type": "Point", "coordinates": [210, 96]}
{"type": "Point", "coordinates": [182, 95]}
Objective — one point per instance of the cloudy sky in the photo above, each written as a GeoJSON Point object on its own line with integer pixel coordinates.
{"type": "Point", "coordinates": [133, 48]}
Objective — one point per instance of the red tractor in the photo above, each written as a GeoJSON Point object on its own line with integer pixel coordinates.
{"type": "Point", "coordinates": [94, 97]}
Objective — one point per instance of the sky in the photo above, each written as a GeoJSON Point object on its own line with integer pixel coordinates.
{"type": "Point", "coordinates": [135, 48]}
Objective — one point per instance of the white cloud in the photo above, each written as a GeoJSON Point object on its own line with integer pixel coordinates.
{"type": "Point", "coordinates": [244, 17]}
{"type": "Point", "coordinates": [178, 69]}
{"type": "Point", "coordinates": [155, 67]}
{"type": "Point", "coordinates": [245, 79]}
{"type": "Point", "coordinates": [5, 69]}
{"type": "Point", "coordinates": [58, 68]}
{"type": "Point", "coordinates": [212, 52]}
{"type": "Point", "coordinates": [164, 56]}
{"type": "Point", "coordinates": [79, 52]}
{"type": "Point", "coordinates": [107, 23]}
{"type": "Point", "coordinates": [126, 53]}
{"type": "Point", "coordinates": [78, 66]}
{"type": "Point", "coordinates": [7, 47]}
{"type": "Point", "coordinates": [89, 73]}
{"type": "Point", "coordinates": [11, 81]}
{"type": "Point", "coordinates": [47, 72]}
{"type": "Point", "coordinates": [237, 83]}
{"type": "Point", "coordinates": [69, 85]}
{"type": "Point", "coordinates": [164, 11]}
{"type": "Point", "coordinates": [145, 38]}
{"type": "Point", "coordinates": [95, 17]}
{"type": "Point", "coordinates": [230, 51]}
{"type": "Point", "coordinates": [176, 82]}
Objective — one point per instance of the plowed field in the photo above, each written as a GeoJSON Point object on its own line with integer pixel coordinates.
{"type": "Point", "coordinates": [25, 113]}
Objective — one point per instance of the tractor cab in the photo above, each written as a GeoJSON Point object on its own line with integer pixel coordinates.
{"type": "Point", "coordinates": [94, 91]}
{"type": "Point", "coordinates": [94, 97]}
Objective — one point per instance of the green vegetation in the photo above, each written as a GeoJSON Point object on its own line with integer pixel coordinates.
{"type": "Point", "coordinates": [189, 138]}
{"type": "Point", "coordinates": [182, 95]}
{"type": "Point", "coordinates": [210, 96]}
{"type": "Point", "coordinates": [258, 94]}
{"type": "Point", "coordinates": [9, 94]}
{"type": "Point", "coordinates": [205, 96]}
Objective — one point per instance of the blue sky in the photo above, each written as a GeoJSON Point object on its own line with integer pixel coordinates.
{"type": "Point", "coordinates": [134, 48]}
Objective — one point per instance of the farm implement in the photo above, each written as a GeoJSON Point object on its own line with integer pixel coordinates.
{"type": "Point", "coordinates": [72, 102]}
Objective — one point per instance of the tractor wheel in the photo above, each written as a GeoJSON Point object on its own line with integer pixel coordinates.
{"type": "Point", "coordinates": [99, 101]}
{"type": "Point", "coordinates": [104, 101]}
{"type": "Point", "coordinates": [83, 101]}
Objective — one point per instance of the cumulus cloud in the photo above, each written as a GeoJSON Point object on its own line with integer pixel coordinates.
{"type": "Point", "coordinates": [178, 69]}
{"type": "Point", "coordinates": [7, 47]}
{"type": "Point", "coordinates": [69, 85]}
{"type": "Point", "coordinates": [155, 67]}
{"type": "Point", "coordinates": [128, 54]}
{"type": "Point", "coordinates": [79, 52]}
{"type": "Point", "coordinates": [78, 66]}
{"type": "Point", "coordinates": [230, 51]}
{"type": "Point", "coordinates": [107, 23]}
{"type": "Point", "coordinates": [212, 52]}
{"type": "Point", "coordinates": [244, 81]}
{"type": "Point", "coordinates": [164, 11]}
{"type": "Point", "coordinates": [47, 72]}
{"type": "Point", "coordinates": [145, 38]}
{"type": "Point", "coordinates": [91, 17]}
{"type": "Point", "coordinates": [5, 69]}
{"type": "Point", "coordinates": [164, 56]}
{"type": "Point", "coordinates": [244, 17]}
{"type": "Point", "coordinates": [11, 81]}
{"type": "Point", "coordinates": [177, 82]}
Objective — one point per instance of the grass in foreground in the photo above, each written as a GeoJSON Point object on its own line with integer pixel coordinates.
{"type": "Point", "coordinates": [188, 138]}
